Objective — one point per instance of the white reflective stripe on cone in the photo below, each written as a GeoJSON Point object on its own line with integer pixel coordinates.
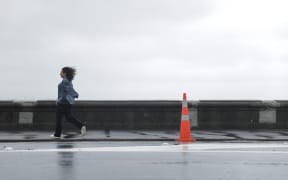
{"type": "Point", "coordinates": [185, 117]}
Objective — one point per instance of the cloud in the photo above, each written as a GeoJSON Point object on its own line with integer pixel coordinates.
{"type": "Point", "coordinates": [152, 49]}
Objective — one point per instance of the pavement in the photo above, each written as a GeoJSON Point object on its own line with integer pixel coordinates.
{"type": "Point", "coordinates": [140, 135]}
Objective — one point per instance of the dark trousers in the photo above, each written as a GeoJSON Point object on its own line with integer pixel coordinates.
{"type": "Point", "coordinates": [64, 110]}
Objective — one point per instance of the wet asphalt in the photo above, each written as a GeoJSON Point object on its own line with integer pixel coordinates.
{"type": "Point", "coordinates": [143, 161]}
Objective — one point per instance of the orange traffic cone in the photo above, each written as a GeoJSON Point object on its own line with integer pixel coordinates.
{"type": "Point", "coordinates": [185, 134]}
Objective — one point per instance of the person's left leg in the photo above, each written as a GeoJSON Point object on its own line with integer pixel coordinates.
{"type": "Point", "coordinates": [70, 118]}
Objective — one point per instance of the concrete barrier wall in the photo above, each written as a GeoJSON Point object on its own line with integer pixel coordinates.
{"type": "Point", "coordinates": [8, 115]}
{"type": "Point", "coordinates": [153, 115]}
{"type": "Point", "coordinates": [229, 114]}
{"type": "Point", "coordinates": [282, 115]}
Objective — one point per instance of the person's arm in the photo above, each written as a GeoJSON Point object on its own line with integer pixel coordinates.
{"type": "Point", "coordinates": [76, 94]}
{"type": "Point", "coordinates": [68, 89]}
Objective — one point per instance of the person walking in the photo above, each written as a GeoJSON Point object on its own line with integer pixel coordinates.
{"type": "Point", "coordinates": [66, 96]}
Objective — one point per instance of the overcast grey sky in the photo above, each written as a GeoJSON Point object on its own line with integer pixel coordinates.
{"type": "Point", "coordinates": [145, 49]}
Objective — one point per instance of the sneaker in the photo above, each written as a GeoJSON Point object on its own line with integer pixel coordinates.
{"type": "Point", "coordinates": [54, 137]}
{"type": "Point", "coordinates": [83, 131]}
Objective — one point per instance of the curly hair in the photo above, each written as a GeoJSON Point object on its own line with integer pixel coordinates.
{"type": "Point", "coordinates": [69, 72]}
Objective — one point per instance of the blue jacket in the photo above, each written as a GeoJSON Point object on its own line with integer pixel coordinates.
{"type": "Point", "coordinates": [66, 92]}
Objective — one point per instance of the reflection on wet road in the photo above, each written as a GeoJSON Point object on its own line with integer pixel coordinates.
{"type": "Point", "coordinates": [66, 162]}
{"type": "Point", "coordinates": [127, 160]}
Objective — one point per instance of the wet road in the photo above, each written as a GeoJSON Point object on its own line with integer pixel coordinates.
{"type": "Point", "coordinates": [145, 161]}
